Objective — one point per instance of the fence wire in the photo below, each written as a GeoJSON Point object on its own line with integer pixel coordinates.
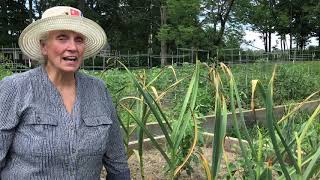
{"type": "Point", "coordinates": [18, 62]}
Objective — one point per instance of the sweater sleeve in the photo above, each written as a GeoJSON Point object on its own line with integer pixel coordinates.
{"type": "Point", "coordinates": [115, 159]}
{"type": "Point", "coordinates": [9, 104]}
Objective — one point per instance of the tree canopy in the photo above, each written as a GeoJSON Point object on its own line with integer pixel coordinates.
{"type": "Point", "coordinates": [163, 25]}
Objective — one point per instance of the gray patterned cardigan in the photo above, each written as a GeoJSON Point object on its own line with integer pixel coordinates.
{"type": "Point", "coordinates": [39, 139]}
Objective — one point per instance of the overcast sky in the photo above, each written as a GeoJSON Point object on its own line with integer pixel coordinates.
{"type": "Point", "coordinates": [257, 42]}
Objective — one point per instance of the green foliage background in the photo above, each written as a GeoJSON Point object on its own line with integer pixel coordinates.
{"type": "Point", "coordinates": [140, 26]}
{"type": "Point", "coordinates": [4, 72]}
{"type": "Point", "coordinates": [293, 83]}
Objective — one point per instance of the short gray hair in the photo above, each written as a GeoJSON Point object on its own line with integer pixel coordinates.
{"type": "Point", "coordinates": [43, 38]}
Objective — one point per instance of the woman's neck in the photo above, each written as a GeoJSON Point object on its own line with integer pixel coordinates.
{"type": "Point", "coordinates": [61, 79]}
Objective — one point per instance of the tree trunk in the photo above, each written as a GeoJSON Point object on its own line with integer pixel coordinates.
{"type": "Point", "coordinates": [39, 5]}
{"type": "Point", "coordinates": [150, 36]}
{"type": "Point", "coordinates": [290, 26]}
{"type": "Point", "coordinates": [4, 22]}
{"type": "Point", "coordinates": [221, 32]}
{"type": "Point", "coordinates": [30, 11]}
{"type": "Point", "coordinates": [301, 44]}
{"type": "Point", "coordinates": [290, 41]}
{"type": "Point", "coordinates": [163, 53]}
{"type": "Point", "coordinates": [284, 42]}
{"type": "Point", "coordinates": [223, 17]}
{"type": "Point", "coordinates": [318, 39]}
{"type": "Point", "coordinates": [265, 37]}
{"type": "Point", "coordinates": [269, 41]}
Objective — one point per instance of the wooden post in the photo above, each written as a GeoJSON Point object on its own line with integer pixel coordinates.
{"type": "Point", "coordinates": [232, 55]}
{"type": "Point", "coordinates": [138, 59]}
{"type": "Point", "coordinates": [128, 59]}
{"type": "Point", "coordinates": [172, 58]}
{"type": "Point", "coordinates": [192, 55]}
{"type": "Point", "coordinates": [178, 57]}
{"type": "Point", "coordinates": [148, 59]}
{"type": "Point", "coordinates": [93, 63]}
{"type": "Point", "coordinates": [104, 62]}
{"type": "Point", "coordinates": [182, 57]}
{"type": "Point", "coordinates": [163, 42]}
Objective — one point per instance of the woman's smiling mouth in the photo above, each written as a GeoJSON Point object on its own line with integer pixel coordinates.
{"type": "Point", "coordinates": [70, 58]}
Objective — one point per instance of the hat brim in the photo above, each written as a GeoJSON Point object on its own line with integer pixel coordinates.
{"type": "Point", "coordinates": [29, 40]}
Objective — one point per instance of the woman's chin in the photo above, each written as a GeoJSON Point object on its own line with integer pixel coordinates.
{"type": "Point", "coordinates": [70, 69]}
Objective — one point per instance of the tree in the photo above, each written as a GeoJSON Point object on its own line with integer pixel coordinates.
{"type": "Point", "coordinates": [294, 17]}
{"type": "Point", "coordinates": [13, 16]}
{"type": "Point", "coordinates": [136, 25]}
{"type": "Point", "coordinates": [30, 10]}
{"type": "Point", "coordinates": [163, 19]}
{"type": "Point", "coordinates": [182, 28]}
{"type": "Point", "coordinates": [314, 19]}
{"type": "Point", "coordinates": [216, 14]}
{"type": "Point", "coordinates": [233, 36]}
{"type": "Point", "coordinates": [300, 23]}
{"type": "Point", "coordinates": [261, 17]}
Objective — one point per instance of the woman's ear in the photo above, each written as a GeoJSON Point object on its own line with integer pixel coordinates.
{"type": "Point", "coordinates": [43, 47]}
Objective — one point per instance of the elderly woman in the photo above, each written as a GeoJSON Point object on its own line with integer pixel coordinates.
{"type": "Point", "coordinates": [55, 122]}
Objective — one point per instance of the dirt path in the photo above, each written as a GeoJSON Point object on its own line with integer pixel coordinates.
{"type": "Point", "coordinates": [154, 166]}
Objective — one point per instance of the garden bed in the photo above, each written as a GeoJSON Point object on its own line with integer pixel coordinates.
{"type": "Point", "coordinates": [251, 117]}
{"type": "Point", "coordinates": [281, 146]}
{"type": "Point", "coordinates": [155, 166]}
{"type": "Point", "coordinates": [154, 163]}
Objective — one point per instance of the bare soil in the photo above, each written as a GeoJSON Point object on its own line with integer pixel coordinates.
{"type": "Point", "coordinates": [154, 165]}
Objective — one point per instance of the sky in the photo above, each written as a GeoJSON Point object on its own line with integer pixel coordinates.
{"type": "Point", "coordinates": [257, 42]}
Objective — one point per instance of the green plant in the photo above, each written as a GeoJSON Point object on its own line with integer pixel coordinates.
{"type": "Point", "coordinates": [278, 150]}
{"type": "Point", "coordinates": [120, 86]}
{"type": "Point", "coordinates": [140, 111]}
{"type": "Point", "coordinates": [293, 84]}
{"type": "Point", "coordinates": [180, 150]}
{"type": "Point", "coordinates": [5, 65]}
{"type": "Point", "coordinates": [4, 72]}
{"type": "Point", "coordinates": [281, 160]}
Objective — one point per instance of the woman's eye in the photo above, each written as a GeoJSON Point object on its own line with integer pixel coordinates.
{"type": "Point", "coordinates": [79, 40]}
{"type": "Point", "coordinates": [62, 38]}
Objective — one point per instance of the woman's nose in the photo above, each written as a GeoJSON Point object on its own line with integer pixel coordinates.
{"type": "Point", "coordinates": [72, 46]}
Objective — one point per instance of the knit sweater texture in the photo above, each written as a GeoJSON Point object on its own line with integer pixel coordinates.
{"type": "Point", "coordinates": [40, 139]}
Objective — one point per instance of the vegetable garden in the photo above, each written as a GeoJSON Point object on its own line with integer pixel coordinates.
{"type": "Point", "coordinates": [178, 99]}
{"type": "Point", "coordinates": [193, 115]}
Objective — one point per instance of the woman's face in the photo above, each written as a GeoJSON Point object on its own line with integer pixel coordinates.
{"type": "Point", "coordinates": [64, 50]}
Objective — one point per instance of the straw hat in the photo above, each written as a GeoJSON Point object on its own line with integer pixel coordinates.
{"type": "Point", "coordinates": [62, 18]}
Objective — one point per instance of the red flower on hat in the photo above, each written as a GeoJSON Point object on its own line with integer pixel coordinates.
{"type": "Point", "coordinates": [75, 12]}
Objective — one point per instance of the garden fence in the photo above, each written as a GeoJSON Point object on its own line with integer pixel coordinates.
{"type": "Point", "coordinates": [18, 62]}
